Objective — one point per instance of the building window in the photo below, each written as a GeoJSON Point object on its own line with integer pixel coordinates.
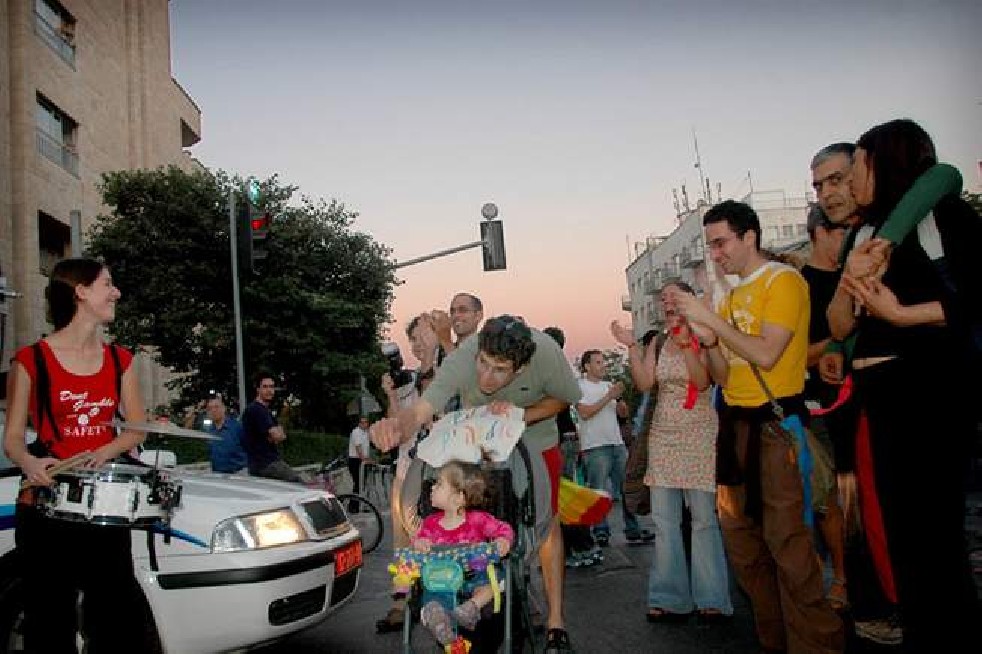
{"type": "Point", "coordinates": [802, 229]}
{"type": "Point", "coordinates": [56, 134]}
{"type": "Point", "coordinates": [56, 27]}
{"type": "Point", "coordinates": [54, 242]}
{"type": "Point", "coordinates": [787, 231]}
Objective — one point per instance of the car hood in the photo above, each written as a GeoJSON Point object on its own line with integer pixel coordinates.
{"type": "Point", "coordinates": [216, 497]}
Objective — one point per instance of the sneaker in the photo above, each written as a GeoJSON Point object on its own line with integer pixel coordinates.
{"type": "Point", "coordinates": [596, 555]}
{"type": "Point", "coordinates": [583, 559]}
{"type": "Point", "coordinates": [885, 631]}
{"type": "Point", "coordinates": [643, 536]}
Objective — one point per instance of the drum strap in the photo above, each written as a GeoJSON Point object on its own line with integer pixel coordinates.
{"type": "Point", "coordinates": [42, 403]}
{"type": "Point", "coordinates": [118, 370]}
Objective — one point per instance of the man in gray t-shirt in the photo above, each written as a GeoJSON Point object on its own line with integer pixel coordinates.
{"type": "Point", "coordinates": [509, 364]}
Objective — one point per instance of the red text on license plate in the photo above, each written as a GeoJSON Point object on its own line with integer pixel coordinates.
{"type": "Point", "coordinates": [347, 558]}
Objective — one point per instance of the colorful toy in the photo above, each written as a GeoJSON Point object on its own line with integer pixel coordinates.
{"type": "Point", "coordinates": [404, 574]}
{"type": "Point", "coordinates": [442, 571]}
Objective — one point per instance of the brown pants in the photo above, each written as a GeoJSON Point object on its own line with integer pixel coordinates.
{"type": "Point", "coordinates": [775, 562]}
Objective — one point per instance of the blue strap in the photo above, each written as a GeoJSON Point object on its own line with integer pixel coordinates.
{"type": "Point", "coordinates": [806, 464]}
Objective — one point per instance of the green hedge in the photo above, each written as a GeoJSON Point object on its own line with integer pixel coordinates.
{"type": "Point", "coordinates": [300, 447]}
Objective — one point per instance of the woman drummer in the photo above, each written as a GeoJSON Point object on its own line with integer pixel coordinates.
{"type": "Point", "coordinates": [71, 384]}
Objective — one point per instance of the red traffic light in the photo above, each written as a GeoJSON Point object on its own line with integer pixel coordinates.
{"type": "Point", "coordinates": [261, 223]}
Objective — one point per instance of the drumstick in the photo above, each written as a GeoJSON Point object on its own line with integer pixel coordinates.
{"type": "Point", "coordinates": [62, 466]}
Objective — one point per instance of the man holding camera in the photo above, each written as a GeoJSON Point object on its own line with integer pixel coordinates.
{"type": "Point", "coordinates": [402, 388]}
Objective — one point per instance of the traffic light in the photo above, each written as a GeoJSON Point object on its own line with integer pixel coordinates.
{"type": "Point", "coordinates": [493, 237]}
{"type": "Point", "coordinates": [252, 226]}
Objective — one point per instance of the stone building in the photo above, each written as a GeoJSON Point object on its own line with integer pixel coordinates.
{"type": "Point", "coordinates": [681, 254]}
{"type": "Point", "coordinates": [85, 88]}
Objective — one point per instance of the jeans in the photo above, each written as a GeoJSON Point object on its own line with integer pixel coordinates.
{"type": "Point", "coordinates": [609, 462]}
{"type": "Point", "coordinates": [669, 585]}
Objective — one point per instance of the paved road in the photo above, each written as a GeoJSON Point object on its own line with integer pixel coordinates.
{"type": "Point", "coordinates": [605, 608]}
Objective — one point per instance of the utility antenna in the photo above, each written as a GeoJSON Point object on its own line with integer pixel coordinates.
{"type": "Point", "coordinates": [702, 178]}
{"type": "Point", "coordinates": [675, 201]}
{"type": "Point", "coordinates": [685, 199]}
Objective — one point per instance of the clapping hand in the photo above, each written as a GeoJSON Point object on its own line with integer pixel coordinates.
{"type": "Point", "coordinates": [623, 335]}
{"type": "Point", "coordinates": [503, 546]}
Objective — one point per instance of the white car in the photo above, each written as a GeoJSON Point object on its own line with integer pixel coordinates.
{"type": "Point", "coordinates": [248, 561]}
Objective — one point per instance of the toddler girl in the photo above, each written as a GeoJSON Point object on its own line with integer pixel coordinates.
{"type": "Point", "coordinates": [458, 487]}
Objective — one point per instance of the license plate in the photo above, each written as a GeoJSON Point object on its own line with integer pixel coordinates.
{"type": "Point", "coordinates": [347, 558]}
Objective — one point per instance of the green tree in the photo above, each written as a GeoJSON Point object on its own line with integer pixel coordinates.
{"type": "Point", "coordinates": [311, 314]}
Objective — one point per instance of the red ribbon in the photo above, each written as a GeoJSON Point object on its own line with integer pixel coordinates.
{"type": "Point", "coordinates": [691, 391]}
{"type": "Point", "coordinates": [845, 392]}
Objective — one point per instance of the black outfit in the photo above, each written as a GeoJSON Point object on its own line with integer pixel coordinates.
{"type": "Point", "coordinates": [921, 429]}
{"type": "Point", "coordinates": [58, 557]}
{"type": "Point", "coordinates": [838, 426]}
{"type": "Point", "coordinates": [257, 420]}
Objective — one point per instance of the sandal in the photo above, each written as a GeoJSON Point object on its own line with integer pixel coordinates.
{"type": "Point", "coordinates": [711, 617]}
{"type": "Point", "coordinates": [557, 640]}
{"type": "Point", "coordinates": [656, 614]}
{"type": "Point", "coordinates": [391, 622]}
{"type": "Point", "coordinates": [837, 597]}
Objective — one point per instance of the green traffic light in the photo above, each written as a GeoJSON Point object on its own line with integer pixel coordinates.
{"type": "Point", "coordinates": [252, 191]}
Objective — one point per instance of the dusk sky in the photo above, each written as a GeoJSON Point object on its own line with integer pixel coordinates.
{"type": "Point", "coordinates": [576, 118]}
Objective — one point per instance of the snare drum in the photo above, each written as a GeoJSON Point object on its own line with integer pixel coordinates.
{"type": "Point", "coordinates": [116, 494]}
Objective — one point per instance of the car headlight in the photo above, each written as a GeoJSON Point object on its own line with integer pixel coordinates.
{"type": "Point", "coordinates": [256, 531]}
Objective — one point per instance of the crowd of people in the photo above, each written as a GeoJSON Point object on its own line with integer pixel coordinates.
{"type": "Point", "coordinates": [789, 419]}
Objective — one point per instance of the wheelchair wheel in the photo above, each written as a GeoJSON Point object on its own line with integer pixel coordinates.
{"type": "Point", "coordinates": [365, 518]}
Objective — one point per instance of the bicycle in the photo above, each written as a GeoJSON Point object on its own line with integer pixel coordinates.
{"type": "Point", "coordinates": [362, 513]}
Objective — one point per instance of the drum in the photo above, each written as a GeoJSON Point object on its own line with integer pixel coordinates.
{"type": "Point", "coordinates": [116, 494]}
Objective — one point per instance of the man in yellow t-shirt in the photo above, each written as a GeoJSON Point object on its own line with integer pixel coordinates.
{"type": "Point", "coordinates": [764, 322]}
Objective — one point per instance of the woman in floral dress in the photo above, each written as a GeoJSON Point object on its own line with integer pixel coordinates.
{"type": "Point", "coordinates": [681, 468]}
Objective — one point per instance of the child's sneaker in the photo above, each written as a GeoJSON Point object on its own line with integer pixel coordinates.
{"type": "Point", "coordinates": [467, 615]}
{"type": "Point", "coordinates": [596, 555]}
{"type": "Point", "coordinates": [435, 618]}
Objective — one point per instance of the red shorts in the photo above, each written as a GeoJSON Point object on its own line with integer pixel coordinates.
{"type": "Point", "coordinates": [554, 464]}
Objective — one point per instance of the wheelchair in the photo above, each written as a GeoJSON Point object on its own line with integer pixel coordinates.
{"type": "Point", "coordinates": [510, 497]}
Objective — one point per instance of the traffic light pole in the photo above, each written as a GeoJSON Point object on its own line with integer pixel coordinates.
{"type": "Point", "coordinates": [441, 253]}
{"type": "Point", "coordinates": [492, 241]}
{"type": "Point", "coordinates": [236, 304]}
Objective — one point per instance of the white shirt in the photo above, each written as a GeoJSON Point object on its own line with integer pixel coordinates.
{"type": "Point", "coordinates": [602, 428]}
{"type": "Point", "coordinates": [359, 436]}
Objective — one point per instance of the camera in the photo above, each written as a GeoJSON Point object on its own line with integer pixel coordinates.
{"type": "Point", "coordinates": [400, 375]}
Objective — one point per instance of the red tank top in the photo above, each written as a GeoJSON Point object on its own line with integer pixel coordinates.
{"type": "Point", "coordinates": [82, 405]}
